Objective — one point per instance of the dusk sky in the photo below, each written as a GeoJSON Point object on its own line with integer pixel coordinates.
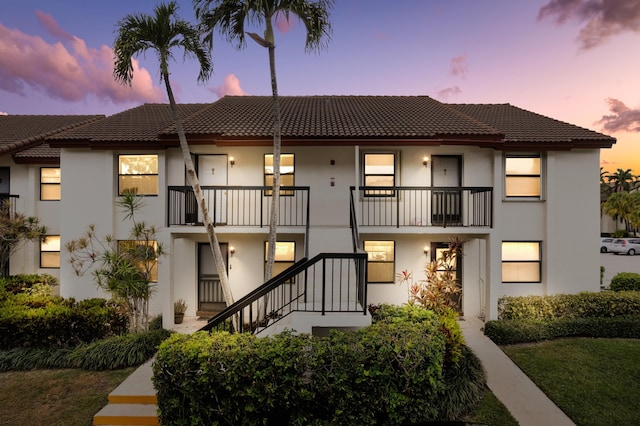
{"type": "Point", "coordinates": [574, 60]}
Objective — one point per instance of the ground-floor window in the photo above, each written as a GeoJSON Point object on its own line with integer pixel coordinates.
{"type": "Point", "coordinates": [521, 262]}
{"type": "Point", "coordinates": [381, 261]}
{"type": "Point", "coordinates": [285, 256]}
{"type": "Point", "coordinates": [50, 252]}
{"type": "Point", "coordinates": [147, 254]}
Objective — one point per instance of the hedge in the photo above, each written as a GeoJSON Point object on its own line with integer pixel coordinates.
{"type": "Point", "coordinates": [507, 332]}
{"type": "Point", "coordinates": [394, 372]}
{"type": "Point", "coordinates": [625, 281]}
{"type": "Point", "coordinates": [53, 322]}
{"type": "Point", "coordinates": [583, 305]}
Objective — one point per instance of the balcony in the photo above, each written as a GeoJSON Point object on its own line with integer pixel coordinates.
{"type": "Point", "coordinates": [430, 206]}
{"type": "Point", "coordinates": [247, 206]}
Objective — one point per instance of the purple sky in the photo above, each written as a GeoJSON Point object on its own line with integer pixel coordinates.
{"type": "Point", "coordinates": [574, 60]}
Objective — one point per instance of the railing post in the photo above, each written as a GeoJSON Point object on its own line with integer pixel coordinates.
{"type": "Point", "coordinates": [324, 283]}
{"type": "Point", "coordinates": [397, 192]}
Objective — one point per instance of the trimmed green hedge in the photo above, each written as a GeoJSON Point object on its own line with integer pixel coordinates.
{"type": "Point", "coordinates": [507, 332]}
{"type": "Point", "coordinates": [624, 281]}
{"type": "Point", "coordinates": [395, 372]}
{"type": "Point", "coordinates": [54, 322]}
{"type": "Point", "coordinates": [584, 305]}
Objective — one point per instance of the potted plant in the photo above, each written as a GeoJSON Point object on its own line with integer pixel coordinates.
{"type": "Point", "coordinates": [179, 308]}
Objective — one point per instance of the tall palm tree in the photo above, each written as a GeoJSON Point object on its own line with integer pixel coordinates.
{"type": "Point", "coordinates": [161, 33]}
{"type": "Point", "coordinates": [621, 205]}
{"type": "Point", "coordinates": [622, 180]}
{"type": "Point", "coordinates": [230, 17]}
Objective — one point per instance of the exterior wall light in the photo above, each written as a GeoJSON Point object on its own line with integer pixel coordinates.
{"type": "Point", "coordinates": [232, 161]}
{"type": "Point", "coordinates": [425, 161]}
{"type": "Point", "coordinates": [425, 249]}
{"type": "Point", "coordinates": [232, 250]}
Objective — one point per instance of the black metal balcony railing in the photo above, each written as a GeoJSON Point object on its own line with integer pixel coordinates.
{"type": "Point", "coordinates": [428, 206]}
{"type": "Point", "coordinates": [330, 282]}
{"type": "Point", "coordinates": [239, 205]}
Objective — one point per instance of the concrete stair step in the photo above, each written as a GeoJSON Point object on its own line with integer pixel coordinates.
{"type": "Point", "coordinates": [127, 414]}
{"type": "Point", "coordinates": [133, 402]}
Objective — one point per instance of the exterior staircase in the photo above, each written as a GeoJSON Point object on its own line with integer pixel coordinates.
{"type": "Point", "coordinates": [133, 402]}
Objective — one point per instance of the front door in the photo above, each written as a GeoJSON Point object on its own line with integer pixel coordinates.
{"type": "Point", "coordinates": [210, 296]}
{"type": "Point", "coordinates": [446, 198]}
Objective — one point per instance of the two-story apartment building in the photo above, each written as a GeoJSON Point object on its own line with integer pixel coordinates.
{"type": "Point", "coordinates": [30, 179]}
{"type": "Point", "coordinates": [393, 176]}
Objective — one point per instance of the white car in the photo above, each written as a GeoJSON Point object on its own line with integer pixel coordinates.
{"type": "Point", "coordinates": [628, 246]}
{"type": "Point", "coordinates": [605, 244]}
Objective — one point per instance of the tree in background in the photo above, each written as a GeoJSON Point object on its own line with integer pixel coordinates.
{"type": "Point", "coordinates": [162, 33]}
{"type": "Point", "coordinates": [621, 180]}
{"type": "Point", "coordinates": [15, 230]}
{"type": "Point", "coordinates": [230, 18]}
{"type": "Point", "coordinates": [624, 206]}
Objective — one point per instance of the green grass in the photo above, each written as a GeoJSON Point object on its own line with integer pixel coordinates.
{"type": "Point", "coordinates": [55, 397]}
{"type": "Point", "coordinates": [594, 381]}
{"type": "Point", "coordinates": [491, 412]}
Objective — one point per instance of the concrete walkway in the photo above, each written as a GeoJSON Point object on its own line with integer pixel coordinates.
{"type": "Point", "coordinates": [526, 402]}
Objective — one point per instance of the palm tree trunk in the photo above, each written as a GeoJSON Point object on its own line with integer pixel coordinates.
{"type": "Point", "coordinates": [195, 184]}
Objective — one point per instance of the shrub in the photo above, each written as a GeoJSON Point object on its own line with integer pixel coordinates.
{"type": "Point", "coordinates": [19, 283]}
{"type": "Point", "coordinates": [583, 305]}
{"type": "Point", "coordinates": [625, 281]}
{"type": "Point", "coordinates": [107, 354]}
{"type": "Point", "coordinates": [27, 321]}
{"type": "Point", "coordinates": [394, 372]}
{"type": "Point", "coordinates": [506, 332]}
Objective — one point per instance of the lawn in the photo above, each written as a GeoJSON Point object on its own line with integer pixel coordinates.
{"type": "Point", "coordinates": [55, 397]}
{"type": "Point", "coordinates": [595, 381]}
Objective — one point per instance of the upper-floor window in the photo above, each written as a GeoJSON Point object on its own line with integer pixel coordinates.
{"type": "Point", "coordinates": [381, 265]}
{"type": "Point", "coordinates": [50, 252]}
{"type": "Point", "coordinates": [49, 183]}
{"type": "Point", "coordinates": [521, 262]}
{"type": "Point", "coordinates": [284, 258]}
{"type": "Point", "coordinates": [379, 170]}
{"type": "Point", "coordinates": [523, 175]}
{"type": "Point", "coordinates": [287, 172]}
{"type": "Point", "coordinates": [138, 173]}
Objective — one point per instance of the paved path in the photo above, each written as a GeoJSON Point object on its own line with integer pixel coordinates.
{"type": "Point", "coordinates": [526, 402]}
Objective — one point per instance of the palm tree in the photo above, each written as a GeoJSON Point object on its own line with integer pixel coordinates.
{"type": "Point", "coordinates": [622, 205]}
{"type": "Point", "coordinates": [622, 180]}
{"type": "Point", "coordinates": [161, 33]}
{"type": "Point", "coordinates": [230, 17]}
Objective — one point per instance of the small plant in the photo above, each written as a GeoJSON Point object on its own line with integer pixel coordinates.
{"type": "Point", "coordinates": [438, 291]}
{"type": "Point", "coordinates": [180, 306]}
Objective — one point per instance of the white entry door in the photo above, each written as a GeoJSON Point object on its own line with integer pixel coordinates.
{"type": "Point", "coordinates": [212, 171]}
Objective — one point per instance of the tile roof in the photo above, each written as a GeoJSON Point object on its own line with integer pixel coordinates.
{"type": "Point", "coordinates": [141, 124]}
{"type": "Point", "coordinates": [20, 132]}
{"type": "Point", "coordinates": [336, 117]}
{"type": "Point", "coordinates": [522, 127]}
{"type": "Point", "coordinates": [334, 120]}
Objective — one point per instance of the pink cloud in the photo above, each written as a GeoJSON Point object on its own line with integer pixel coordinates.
{"type": "Point", "coordinates": [448, 92]}
{"type": "Point", "coordinates": [69, 71]}
{"type": "Point", "coordinates": [604, 18]}
{"type": "Point", "coordinates": [459, 66]}
{"type": "Point", "coordinates": [230, 86]}
{"type": "Point", "coordinates": [3, 113]}
{"type": "Point", "coordinates": [52, 26]}
{"type": "Point", "coordinates": [622, 118]}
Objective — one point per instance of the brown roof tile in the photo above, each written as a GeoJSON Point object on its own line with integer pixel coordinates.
{"type": "Point", "coordinates": [19, 132]}
{"type": "Point", "coordinates": [141, 124]}
{"type": "Point", "coordinates": [336, 117]}
{"type": "Point", "coordinates": [524, 128]}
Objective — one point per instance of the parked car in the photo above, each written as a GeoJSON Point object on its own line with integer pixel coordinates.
{"type": "Point", "coordinates": [629, 246]}
{"type": "Point", "coordinates": [605, 244]}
